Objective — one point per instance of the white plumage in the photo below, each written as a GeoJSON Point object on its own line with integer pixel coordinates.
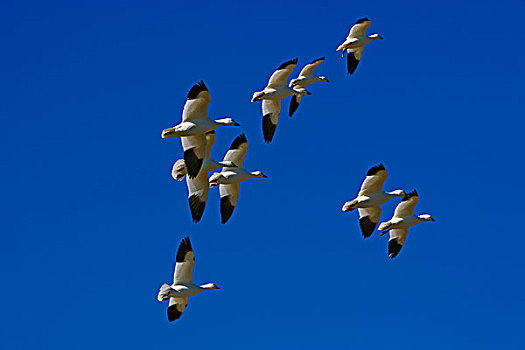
{"type": "Point", "coordinates": [305, 78]}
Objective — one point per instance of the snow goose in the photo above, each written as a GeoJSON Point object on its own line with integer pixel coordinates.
{"type": "Point", "coordinates": [229, 178]}
{"type": "Point", "coordinates": [198, 186]}
{"type": "Point", "coordinates": [306, 77]}
{"type": "Point", "coordinates": [355, 42]}
{"type": "Point", "coordinates": [271, 96]}
{"type": "Point", "coordinates": [370, 198]}
{"type": "Point", "coordinates": [182, 287]}
{"type": "Point", "coordinates": [195, 123]}
{"type": "Point", "coordinates": [403, 219]}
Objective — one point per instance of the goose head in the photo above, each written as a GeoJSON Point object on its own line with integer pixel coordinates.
{"type": "Point", "coordinates": [397, 193]}
{"type": "Point", "coordinates": [209, 286]}
{"type": "Point", "coordinates": [258, 174]}
{"type": "Point", "coordinates": [426, 217]}
{"type": "Point", "coordinates": [227, 122]}
{"type": "Point", "coordinates": [375, 37]}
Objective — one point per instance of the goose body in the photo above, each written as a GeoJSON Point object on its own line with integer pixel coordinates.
{"type": "Point", "coordinates": [369, 200]}
{"type": "Point", "coordinates": [195, 118]}
{"type": "Point", "coordinates": [403, 219]}
{"type": "Point", "coordinates": [229, 178]}
{"type": "Point", "coordinates": [355, 42]}
{"type": "Point", "coordinates": [271, 96]}
{"type": "Point", "coordinates": [182, 287]}
{"type": "Point", "coordinates": [306, 77]}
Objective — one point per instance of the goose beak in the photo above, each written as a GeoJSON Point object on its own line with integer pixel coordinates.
{"type": "Point", "coordinates": [384, 233]}
{"type": "Point", "coordinates": [167, 133]}
{"type": "Point", "coordinates": [432, 219]}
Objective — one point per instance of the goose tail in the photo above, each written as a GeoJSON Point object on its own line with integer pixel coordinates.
{"type": "Point", "coordinates": [164, 292]}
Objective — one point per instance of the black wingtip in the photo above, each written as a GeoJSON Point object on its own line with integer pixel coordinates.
{"type": "Point", "coordinates": [287, 63]}
{"type": "Point", "coordinates": [410, 195]}
{"type": "Point", "coordinates": [184, 247]}
{"type": "Point", "coordinates": [226, 209]}
{"type": "Point", "coordinates": [293, 105]}
{"type": "Point", "coordinates": [375, 169]}
{"type": "Point", "coordinates": [351, 63]}
{"type": "Point", "coordinates": [318, 59]}
{"type": "Point", "coordinates": [193, 163]}
{"type": "Point", "coordinates": [393, 248]}
{"type": "Point", "coordinates": [173, 313]}
{"type": "Point", "coordinates": [196, 89]}
{"type": "Point", "coordinates": [196, 207]}
{"type": "Point", "coordinates": [268, 128]}
{"type": "Point", "coordinates": [367, 226]}
{"type": "Point", "coordinates": [239, 140]}
{"type": "Point", "coordinates": [361, 20]}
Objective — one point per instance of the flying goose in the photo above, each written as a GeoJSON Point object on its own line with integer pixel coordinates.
{"type": "Point", "coordinates": [403, 219]}
{"type": "Point", "coordinates": [195, 123]}
{"type": "Point", "coordinates": [229, 178]}
{"type": "Point", "coordinates": [198, 186]}
{"type": "Point", "coordinates": [271, 96]}
{"type": "Point", "coordinates": [370, 198]}
{"type": "Point", "coordinates": [306, 77]}
{"type": "Point", "coordinates": [355, 42]}
{"type": "Point", "coordinates": [183, 286]}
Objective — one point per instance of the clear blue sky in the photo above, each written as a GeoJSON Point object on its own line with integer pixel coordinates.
{"type": "Point", "coordinates": [91, 217]}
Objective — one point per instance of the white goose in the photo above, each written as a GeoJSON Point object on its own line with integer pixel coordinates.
{"type": "Point", "coordinates": [271, 96]}
{"type": "Point", "coordinates": [229, 178]}
{"type": "Point", "coordinates": [182, 287]}
{"type": "Point", "coordinates": [195, 123]}
{"type": "Point", "coordinates": [306, 77]}
{"type": "Point", "coordinates": [403, 219]}
{"type": "Point", "coordinates": [198, 186]}
{"type": "Point", "coordinates": [370, 198]}
{"type": "Point", "coordinates": [355, 42]}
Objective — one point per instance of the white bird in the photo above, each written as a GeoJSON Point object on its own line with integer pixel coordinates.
{"type": "Point", "coordinates": [182, 287]}
{"type": "Point", "coordinates": [355, 42]}
{"type": "Point", "coordinates": [195, 123]}
{"type": "Point", "coordinates": [403, 219]}
{"type": "Point", "coordinates": [229, 178]}
{"type": "Point", "coordinates": [271, 96]}
{"type": "Point", "coordinates": [198, 186]}
{"type": "Point", "coordinates": [370, 198]}
{"type": "Point", "coordinates": [306, 77]}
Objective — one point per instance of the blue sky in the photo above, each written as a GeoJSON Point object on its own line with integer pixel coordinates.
{"type": "Point", "coordinates": [92, 218]}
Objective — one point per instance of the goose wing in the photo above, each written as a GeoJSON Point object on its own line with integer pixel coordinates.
{"type": "Point", "coordinates": [185, 260]}
{"type": "Point", "coordinates": [229, 196]}
{"type": "Point", "coordinates": [196, 106]}
{"type": "Point", "coordinates": [407, 205]}
{"type": "Point", "coordinates": [237, 151]}
{"type": "Point", "coordinates": [375, 178]}
{"type": "Point", "coordinates": [368, 219]}
{"type": "Point", "coordinates": [352, 59]}
{"type": "Point", "coordinates": [198, 188]}
{"type": "Point", "coordinates": [294, 103]}
{"type": "Point", "coordinates": [310, 67]}
{"type": "Point", "coordinates": [270, 110]}
{"type": "Point", "coordinates": [280, 76]}
{"type": "Point", "coordinates": [176, 308]}
{"type": "Point", "coordinates": [396, 241]}
{"type": "Point", "coordinates": [194, 152]}
{"type": "Point", "coordinates": [359, 28]}
{"type": "Point", "coordinates": [210, 141]}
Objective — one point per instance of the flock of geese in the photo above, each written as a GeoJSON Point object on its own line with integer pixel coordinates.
{"type": "Point", "coordinates": [197, 134]}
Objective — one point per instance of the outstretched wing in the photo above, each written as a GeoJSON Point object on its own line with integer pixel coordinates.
{"type": "Point", "coordinates": [196, 106]}
{"type": "Point", "coordinates": [176, 308]}
{"type": "Point", "coordinates": [229, 196]}
{"type": "Point", "coordinates": [368, 219]}
{"type": "Point", "coordinates": [397, 239]}
{"type": "Point", "coordinates": [359, 28]}
{"type": "Point", "coordinates": [375, 178]}
{"type": "Point", "coordinates": [309, 68]}
{"type": "Point", "coordinates": [280, 76]}
{"type": "Point", "coordinates": [352, 59]}
{"type": "Point", "coordinates": [198, 188]}
{"type": "Point", "coordinates": [194, 153]}
{"type": "Point", "coordinates": [407, 205]}
{"type": "Point", "coordinates": [270, 110]}
{"type": "Point", "coordinates": [237, 151]}
{"type": "Point", "coordinates": [294, 103]}
{"type": "Point", "coordinates": [185, 261]}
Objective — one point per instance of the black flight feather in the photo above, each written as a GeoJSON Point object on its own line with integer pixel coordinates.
{"type": "Point", "coordinates": [293, 105]}
{"type": "Point", "coordinates": [226, 209]}
{"type": "Point", "coordinates": [173, 313]}
{"type": "Point", "coordinates": [196, 207]}
{"type": "Point", "coordinates": [367, 226]}
{"type": "Point", "coordinates": [410, 195]}
{"type": "Point", "coordinates": [184, 247]}
{"type": "Point", "coordinates": [196, 89]}
{"type": "Point", "coordinates": [375, 169]}
{"type": "Point", "coordinates": [239, 140]}
{"type": "Point", "coordinates": [351, 62]}
{"type": "Point", "coordinates": [393, 248]}
{"type": "Point", "coordinates": [193, 163]}
{"type": "Point", "coordinates": [287, 63]}
{"type": "Point", "coordinates": [361, 20]}
{"type": "Point", "coordinates": [268, 128]}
